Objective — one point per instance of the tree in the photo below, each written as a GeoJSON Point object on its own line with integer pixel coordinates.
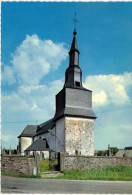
{"type": "Point", "coordinates": [114, 150]}
{"type": "Point", "coordinates": [102, 153]}
{"type": "Point", "coordinates": [128, 148]}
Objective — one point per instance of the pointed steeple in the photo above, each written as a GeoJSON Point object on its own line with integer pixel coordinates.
{"type": "Point", "coordinates": [73, 75]}
{"type": "Point", "coordinates": [74, 43]}
{"type": "Point", "coordinates": [74, 52]}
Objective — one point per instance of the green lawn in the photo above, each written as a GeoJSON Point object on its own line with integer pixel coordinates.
{"type": "Point", "coordinates": [108, 173]}
{"type": "Point", "coordinates": [122, 173]}
{"type": "Point", "coordinates": [20, 175]}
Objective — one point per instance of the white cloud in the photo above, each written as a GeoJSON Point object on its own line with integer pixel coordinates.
{"type": "Point", "coordinates": [109, 89]}
{"type": "Point", "coordinates": [100, 97]}
{"type": "Point", "coordinates": [28, 89]}
{"type": "Point", "coordinates": [8, 75]}
{"type": "Point", "coordinates": [33, 59]}
{"type": "Point", "coordinates": [14, 103]}
{"type": "Point", "coordinates": [36, 102]}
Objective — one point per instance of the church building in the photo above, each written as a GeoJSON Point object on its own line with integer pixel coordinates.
{"type": "Point", "coordinates": [71, 130]}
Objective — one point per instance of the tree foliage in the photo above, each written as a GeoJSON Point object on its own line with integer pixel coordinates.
{"type": "Point", "coordinates": [113, 150]}
{"type": "Point", "coordinates": [128, 148]}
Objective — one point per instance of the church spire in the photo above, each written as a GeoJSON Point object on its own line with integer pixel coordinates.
{"type": "Point", "coordinates": [73, 75]}
{"type": "Point", "coordinates": [74, 42]}
{"type": "Point", "coordinates": [74, 52]}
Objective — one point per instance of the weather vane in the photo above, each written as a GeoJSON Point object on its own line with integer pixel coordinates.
{"type": "Point", "coordinates": [75, 20]}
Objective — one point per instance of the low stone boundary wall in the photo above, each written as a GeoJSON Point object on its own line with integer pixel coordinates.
{"type": "Point", "coordinates": [70, 162]}
{"type": "Point", "coordinates": [17, 164]}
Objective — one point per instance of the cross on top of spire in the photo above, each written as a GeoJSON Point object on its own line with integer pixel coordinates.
{"type": "Point", "coordinates": [75, 21]}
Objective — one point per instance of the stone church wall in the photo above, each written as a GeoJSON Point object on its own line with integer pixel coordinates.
{"type": "Point", "coordinates": [72, 162]}
{"type": "Point", "coordinates": [17, 165]}
{"type": "Point", "coordinates": [25, 142]}
{"type": "Point", "coordinates": [79, 136]}
{"type": "Point", "coordinates": [60, 135]}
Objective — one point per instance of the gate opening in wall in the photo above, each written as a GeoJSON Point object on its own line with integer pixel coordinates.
{"type": "Point", "coordinates": [50, 164]}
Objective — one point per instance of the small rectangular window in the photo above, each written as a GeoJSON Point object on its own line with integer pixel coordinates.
{"type": "Point", "coordinates": [77, 84]}
{"type": "Point", "coordinates": [76, 152]}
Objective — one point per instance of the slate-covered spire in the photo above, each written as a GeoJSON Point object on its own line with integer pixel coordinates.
{"type": "Point", "coordinates": [74, 52]}
{"type": "Point", "coordinates": [74, 100]}
{"type": "Point", "coordinates": [73, 75]}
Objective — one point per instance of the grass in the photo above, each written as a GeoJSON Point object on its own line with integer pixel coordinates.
{"type": "Point", "coordinates": [44, 165]}
{"type": "Point", "coordinates": [123, 173]}
{"type": "Point", "coordinates": [20, 175]}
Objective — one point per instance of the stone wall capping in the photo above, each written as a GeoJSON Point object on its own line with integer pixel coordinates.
{"type": "Point", "coordinates": [26, 156]}
{"type": "Point", "coordinates": [96, 156]}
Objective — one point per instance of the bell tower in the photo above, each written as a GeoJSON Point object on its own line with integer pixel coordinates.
{"type": "Point", "coordinates": [74, 115]}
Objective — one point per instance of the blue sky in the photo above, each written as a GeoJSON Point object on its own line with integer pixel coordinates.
{"type": "Point", "coordinates": [31, 75]}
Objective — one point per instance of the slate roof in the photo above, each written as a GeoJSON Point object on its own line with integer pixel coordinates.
{"type": "Point", "coordinates": [76, 112]}
{"type": "Point", "coordinates": [127, 153]}
{"type": "Point", "coordinates": [74, 46]}
{"type": "Point", "coordinates": [29, 131]}
{"type": "Point", "coordinates": [38, 145]}
{"type": "Point", "coordinates": [76, 87]}
{"type": "Point", "coordinates": [44, 127]}
{"type": "Point", "coordinates": [79, 112]}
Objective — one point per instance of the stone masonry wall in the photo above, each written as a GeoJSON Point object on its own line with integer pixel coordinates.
{"type": "Point", "coordinates": [87, 162]}
{"type": "Point", "coordinates": [79, 136]}
{"type": "Point", "coordinates": [59, 137]}
{"type": "Point", "coordinates": [17, 164]}
{"type": "Point", "coordinates": [25, 142]}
